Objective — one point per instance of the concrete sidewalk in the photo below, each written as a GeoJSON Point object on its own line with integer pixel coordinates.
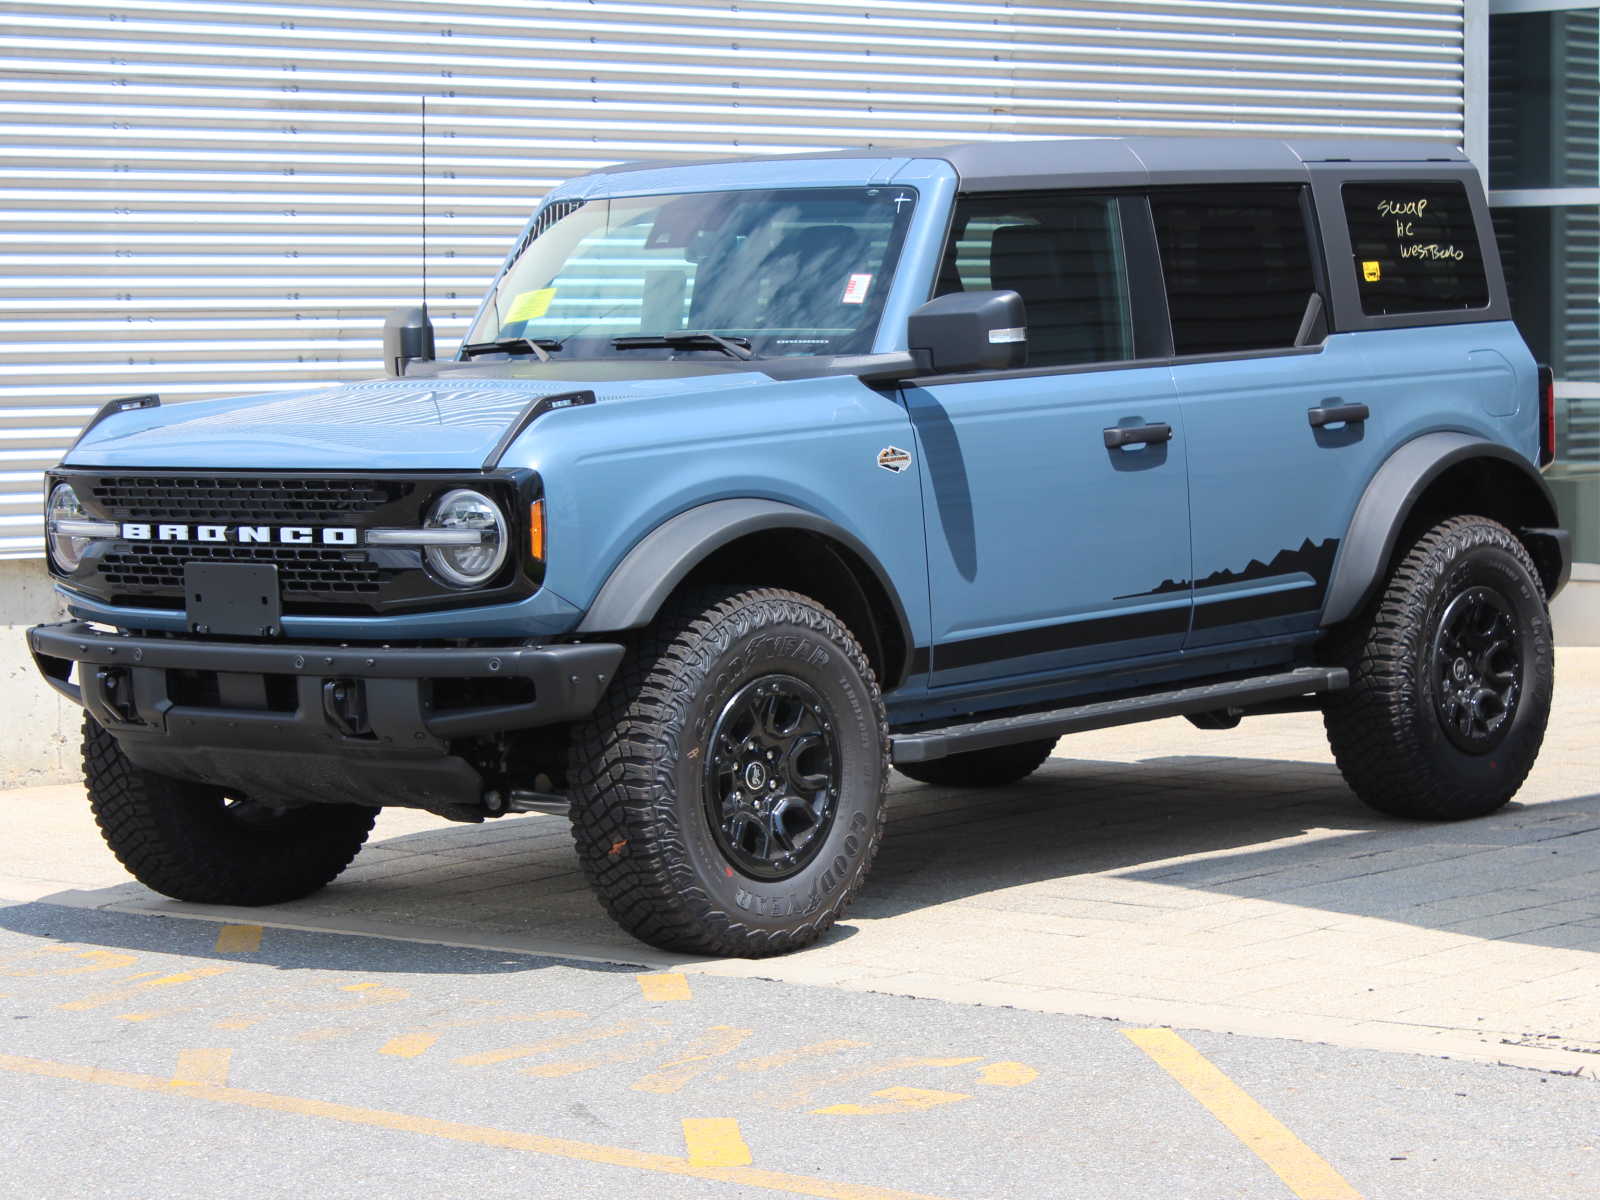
{"type": "Point", "coordinates": [1156, 873]}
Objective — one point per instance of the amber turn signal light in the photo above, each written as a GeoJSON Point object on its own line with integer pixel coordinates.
{"type": "Point", "coordinates": [536, 529]}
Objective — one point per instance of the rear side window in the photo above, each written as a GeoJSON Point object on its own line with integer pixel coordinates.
{"type": "Point", "coordinates": [1238, 267]}
{"type": "Point", "coordinates": [1416, 247]}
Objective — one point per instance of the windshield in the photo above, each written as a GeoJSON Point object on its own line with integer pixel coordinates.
{"type": "Point", "coordinates": [784, 272]}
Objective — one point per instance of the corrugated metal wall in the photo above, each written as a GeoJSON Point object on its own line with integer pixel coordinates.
{"type": "Point", "coordinates": [199, 198]}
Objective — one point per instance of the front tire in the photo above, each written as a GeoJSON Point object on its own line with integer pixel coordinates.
{"type": "Point", "coordinates": [1451, 676]}
{"type": "Point", "coordinates": [191, 842]}
{"type": "Point", "coordinates": [995, 767]}
{"type": "Point", "coordinates": [727, 795]}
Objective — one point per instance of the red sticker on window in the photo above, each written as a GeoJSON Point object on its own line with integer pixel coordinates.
{"type": "Point", "coordinates": [855, 289]}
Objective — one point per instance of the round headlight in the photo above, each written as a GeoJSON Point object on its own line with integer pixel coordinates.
{"type": "Point", "coordinates": [474, 562]}
{"type": "Point", "coordinates": [66, 552]}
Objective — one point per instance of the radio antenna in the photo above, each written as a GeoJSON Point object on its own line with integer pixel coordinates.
{"type": "Point", "coordinates": [424, 164]}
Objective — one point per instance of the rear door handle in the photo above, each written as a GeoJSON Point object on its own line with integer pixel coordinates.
{"type": "Point", "coordinates": [1136, 435]}
{"type": "Point", "coordinates": [1337, 414]}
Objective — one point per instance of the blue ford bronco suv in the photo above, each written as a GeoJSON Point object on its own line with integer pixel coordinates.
{"type": "Point", "coordinates": [754, 479]}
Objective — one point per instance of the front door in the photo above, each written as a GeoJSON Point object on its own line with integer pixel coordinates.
{"type": "Point", "coordinates": [1047, 547]}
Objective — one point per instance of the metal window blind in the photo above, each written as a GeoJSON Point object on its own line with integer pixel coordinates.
{"type": "Point", "coordinates": [219, 196]}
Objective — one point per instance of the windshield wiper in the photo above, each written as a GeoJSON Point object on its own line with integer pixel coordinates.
{"type": "Point", "coordinates": [520, 345]}
{"type": "Point", "coordinates": [733, 347]}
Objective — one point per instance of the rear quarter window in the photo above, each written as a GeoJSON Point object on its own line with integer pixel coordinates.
{"type": "Point", "coordinates": [1415, 247]}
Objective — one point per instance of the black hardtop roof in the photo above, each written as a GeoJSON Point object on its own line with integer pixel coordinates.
{"type": "Point", "coordinates": [1078, 162]}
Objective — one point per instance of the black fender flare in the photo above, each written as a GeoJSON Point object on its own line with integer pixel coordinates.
{"type": "Point", "coordinates": [1391, 495]}
{"type": "Point", "coordinates": [639, 585]}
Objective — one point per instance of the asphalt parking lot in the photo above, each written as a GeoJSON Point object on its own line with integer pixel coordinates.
{"type": "Point", "coordinates": [185, 1059]}
{"type": "Point", "coordinates": [1173, 963]}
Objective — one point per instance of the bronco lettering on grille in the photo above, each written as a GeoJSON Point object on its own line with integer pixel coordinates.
{"type": "Point", "coordinates": [283, 535]}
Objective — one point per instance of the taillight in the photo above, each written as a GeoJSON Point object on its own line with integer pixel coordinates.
{"type": "Point", "coordinates": [1547, 416]}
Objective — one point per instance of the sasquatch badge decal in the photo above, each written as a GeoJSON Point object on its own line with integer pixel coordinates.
{"type": "Point", "coordinates": [892, 458]}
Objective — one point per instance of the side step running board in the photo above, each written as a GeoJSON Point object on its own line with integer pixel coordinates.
{"type": "Point", "coordinates": [981, 734]}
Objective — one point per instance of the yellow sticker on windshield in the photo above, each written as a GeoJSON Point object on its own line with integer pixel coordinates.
{"type": "Point", "coordinates": [1371, 272]}
{"type": "Point", "coordinates": [531, 305]}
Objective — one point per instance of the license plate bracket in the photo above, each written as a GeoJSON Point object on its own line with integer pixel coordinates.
{"type": "Point", "coordinates": [233, 599]}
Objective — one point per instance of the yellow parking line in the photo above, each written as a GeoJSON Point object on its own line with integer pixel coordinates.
{"type": "Point", "coordinates": [125, 993]}
{"type": "Point", "coordinates": [238, 939]}
{"type": "Point", "coordinates": [409, 1045]}
{"type": "Point", "coordinates": [1305, 1172]}
{"type": "Point", "coordinates": [668, 985]}
{"type": "Point", "coordinates": [715, 1142]}
{"type": "Point", "coordinates": [695, 1061]}
{"type": "Point", "coordinates": [203, 1067]}
{"type": "Point", "coordinates": [1007, 1074]}
{"type": "Point", "coordinates": [455, 1131]}
{"type": "Point", "coordinates": [896, 1100]}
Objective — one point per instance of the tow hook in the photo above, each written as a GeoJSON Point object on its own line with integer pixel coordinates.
{"type": "Point", "coordinates": [116, 687]}
{"type": "Point", "coordinates": [344, 702]}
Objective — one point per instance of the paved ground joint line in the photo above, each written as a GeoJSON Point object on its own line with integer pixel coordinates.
{"type": "Point", "coordinates": [456, 1131]}
{"type": "Point", "coordinates": [1306, 1173]}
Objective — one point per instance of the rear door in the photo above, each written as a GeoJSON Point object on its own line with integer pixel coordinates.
{"type": "Point", "coordinates": [1273, 479]}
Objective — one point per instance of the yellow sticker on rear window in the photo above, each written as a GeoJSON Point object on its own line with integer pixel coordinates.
{"type": "Point", "coordinates": [1371, 272]}
{"type": "Point", "coordinates": [531, 305]}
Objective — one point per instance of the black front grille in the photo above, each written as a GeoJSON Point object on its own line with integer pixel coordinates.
{"type": "Point", "coordinates": [279, 500]}
{"type": "Point", "coordinates": [314, 578]}
{"type": "Point", "coordinates": [302, 571]}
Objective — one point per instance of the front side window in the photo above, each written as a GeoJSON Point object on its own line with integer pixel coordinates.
{"type": "Point", "coordinates": [1415, 246]}
{"type": "Point", "coordinates": [1063, 255]}
{"type": "Point", "coordinates": [786, 272]}
{"type": "Point", "coordinates": [1237, 264]}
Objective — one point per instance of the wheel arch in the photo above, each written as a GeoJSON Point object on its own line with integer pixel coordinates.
{"type": "Point", "coordinates": [1427, 479]}
{"type": "Point", "coordinates": [764, 542]}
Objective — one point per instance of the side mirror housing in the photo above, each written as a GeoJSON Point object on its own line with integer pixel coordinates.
{"type": "Point", "coordinates": [970, 331]}
{"type": "Point", "coordinates": [407, 337]}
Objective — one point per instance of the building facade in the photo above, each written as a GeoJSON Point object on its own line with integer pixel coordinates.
{"type": "Point", "coordinates": [1544, 179]}
{"type": "Point", "coordinates": [203, 197]}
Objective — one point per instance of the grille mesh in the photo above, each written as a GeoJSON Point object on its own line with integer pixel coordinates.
{"type": "Point", "coordinates": [230, 499]}
{"type": "Point", "coordinates": [301, 570]}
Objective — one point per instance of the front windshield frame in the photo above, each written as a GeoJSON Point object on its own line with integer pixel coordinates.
{"type": "Point", "coordinates": [800, 271]}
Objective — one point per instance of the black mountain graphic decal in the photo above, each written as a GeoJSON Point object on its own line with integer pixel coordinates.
{"type": "Point", "coordinates": [1314, 559]}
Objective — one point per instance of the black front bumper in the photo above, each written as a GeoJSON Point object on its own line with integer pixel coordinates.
{"type": "Point", "coordinates": [345, 724]}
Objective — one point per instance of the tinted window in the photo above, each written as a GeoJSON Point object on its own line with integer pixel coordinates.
{"type": "Point", "coordinates": [1237, 265]}
{"type": "Point", "coordinates": [1063, 255]}
{"type": "Point", "coordinates": [1416, 249]}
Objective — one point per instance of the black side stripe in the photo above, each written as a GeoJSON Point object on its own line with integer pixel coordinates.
{"type": "Point", "coordinates": [1070, 635]}
{"type": "Point", "coordinates": [1306, 599]}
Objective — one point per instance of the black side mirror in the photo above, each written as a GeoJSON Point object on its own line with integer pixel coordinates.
{"type": "Point", "coordinates": [970, 331]}
{"type": "Point", "coordinates": [407, 337]}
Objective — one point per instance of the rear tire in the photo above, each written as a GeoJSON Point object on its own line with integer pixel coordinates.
{"type": "Point", "coordinates": [191, 842]}
{"type": "Point", "coordinates": [727, 795]}
{"type": "Point", "coordinates": [995, 767]}
{"type": "Point", "coordinates": [1451, 675]}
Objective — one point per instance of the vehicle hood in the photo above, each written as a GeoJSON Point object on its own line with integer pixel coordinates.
{"type": "Point", "coordinates": [398, 424]}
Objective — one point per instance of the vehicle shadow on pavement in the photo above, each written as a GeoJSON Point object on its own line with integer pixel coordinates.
{"type": "Point", "coordinates": [1283, 831]}
{"type": "Point", "coordinates": [289, 950]}
{"type": "Point", "coordinates": [1106, 841]}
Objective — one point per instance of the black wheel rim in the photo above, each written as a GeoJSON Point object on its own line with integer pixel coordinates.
{"type": "Point", "coordinates": [772, 776]}
{"type": "Point", "coordinates": [1477, 669]}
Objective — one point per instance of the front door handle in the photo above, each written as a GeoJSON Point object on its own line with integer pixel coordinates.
{"type": "Point", "coordinates": [1337, 414]}
{"type": "Point", "coordinates": [1137, 435]}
